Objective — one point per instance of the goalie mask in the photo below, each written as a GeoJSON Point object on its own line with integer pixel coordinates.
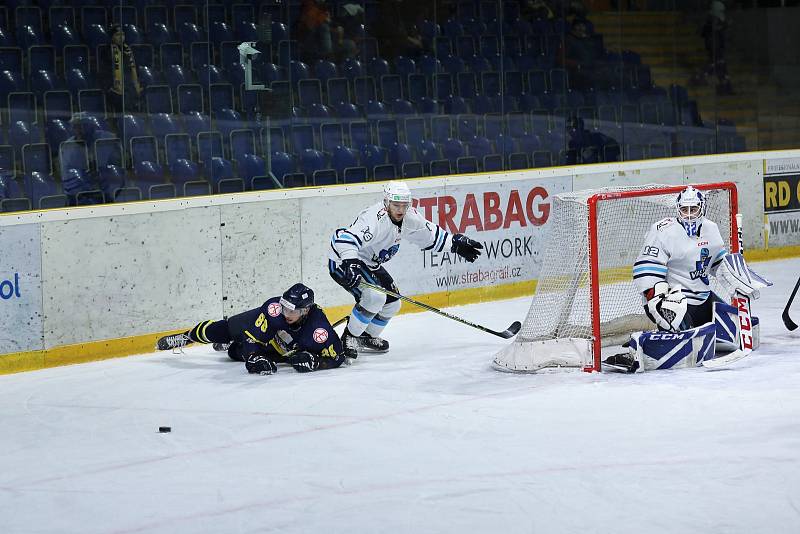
{"type": "Point", "coordinates": [691, 207]}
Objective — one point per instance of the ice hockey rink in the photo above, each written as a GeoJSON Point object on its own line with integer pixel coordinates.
{"type": "Point", "coordinates": [424, 439]}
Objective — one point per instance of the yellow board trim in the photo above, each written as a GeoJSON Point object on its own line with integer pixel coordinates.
{"type": "Point", "coordinates": [18, 362]}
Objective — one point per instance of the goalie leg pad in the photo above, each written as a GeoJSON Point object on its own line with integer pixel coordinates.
{"type": "Point", "coordinates": [726, 319]}
{"type": "Point", "coordinates": [672, 350]}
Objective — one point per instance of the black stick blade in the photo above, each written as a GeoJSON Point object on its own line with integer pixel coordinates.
{"type": "Point", "coordinates": [511, 331]}
{"type": "Point", "coordinates": [787, 321]}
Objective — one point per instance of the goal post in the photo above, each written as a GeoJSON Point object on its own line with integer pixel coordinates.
{"type": "Point", "coordinates": [585, 298]}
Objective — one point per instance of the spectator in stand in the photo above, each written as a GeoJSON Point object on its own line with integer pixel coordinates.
{"type": "Point", "coordinates": [580, 54]}
{"type": "Point", "coordinates": [395, 35]}
{"type": "Point", "coordinates": [588, 147]}
{"type": "Point", "coordinates": [125, 91]}
{"type": "Point", "coordinates": [86, 128]}
{"type": "Point", "coordinates": [713, 33]}
{"type": "Point", "coordinates": [536, 10]}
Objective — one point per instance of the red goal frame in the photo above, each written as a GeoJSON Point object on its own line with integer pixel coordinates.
{"type": "Point", "coordinates": [593, 244]}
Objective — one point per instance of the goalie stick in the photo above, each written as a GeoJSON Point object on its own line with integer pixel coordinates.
{"type": "Point", "coordinates": [742, 303]}
{"type": "Point", "coordinates": [787, 321]}
{"type": "Point", "coordinates": [509, 332]}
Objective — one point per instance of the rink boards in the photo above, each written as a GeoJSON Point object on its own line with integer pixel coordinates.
{"type": "Point", "coordinates": [87, 283]}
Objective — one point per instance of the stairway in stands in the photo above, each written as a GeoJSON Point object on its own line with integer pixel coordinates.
{"type": "Point", "coordinates": [670, 43]}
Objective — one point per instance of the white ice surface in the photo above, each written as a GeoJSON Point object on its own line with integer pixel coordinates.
{"type": "Point", "coordinates": [424, 439]}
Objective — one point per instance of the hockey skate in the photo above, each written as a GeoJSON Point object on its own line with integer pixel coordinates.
{"type": "Point", "coordinates": [350, 345]}
{"type": "Point", "coordinates": [621, 363]}
{"type": "Point", "coordinates": [176, 342]}
{"type": "Point", "coordinates": [221, 347]}
{"type": "Point", "coordinates": [373, 344]}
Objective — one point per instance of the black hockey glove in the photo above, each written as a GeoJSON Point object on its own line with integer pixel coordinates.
{"type": "Point", "coordinates": [467, 248]}
{"type": "Point", "coordinates": [260, 365]}
{"type": "Point", "coordinates": [304, 362]}
{"type": "Point", "coordinates": [352, 272]}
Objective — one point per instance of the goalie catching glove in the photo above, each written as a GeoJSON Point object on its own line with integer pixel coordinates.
{"type": "Point", "coordinates": [467, 248]}
{"type": "Point", "coordinates": [666, 306]}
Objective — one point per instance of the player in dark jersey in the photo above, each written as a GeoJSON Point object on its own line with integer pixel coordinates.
{"type": "Point", "coordinates": [287, 329]}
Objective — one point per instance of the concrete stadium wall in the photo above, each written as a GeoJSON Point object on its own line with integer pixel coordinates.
{"type": "Point", "coordinates": [93, 282]}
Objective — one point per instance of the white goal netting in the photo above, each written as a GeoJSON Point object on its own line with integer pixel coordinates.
{"type": "Point", "coordinates": [561, 328]}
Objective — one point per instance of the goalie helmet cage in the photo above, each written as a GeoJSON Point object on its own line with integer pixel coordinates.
{"type": "Point", "coordinates": [585, 297]}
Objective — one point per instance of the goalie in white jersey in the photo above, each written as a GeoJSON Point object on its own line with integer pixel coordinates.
{"type": "Point", "coordinates": [673, 272]}
{"type": "Point", "coordinates": [678, 257]}
{"type": "Point", "coordinates": [360, 251]}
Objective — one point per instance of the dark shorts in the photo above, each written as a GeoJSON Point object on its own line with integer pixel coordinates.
{"type": "Point", "coordinates": [378, 277]}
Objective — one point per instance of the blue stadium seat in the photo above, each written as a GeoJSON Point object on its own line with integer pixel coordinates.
{"type": "Point", "coordinates": [56, 132]}
{"type": "Point", "coordinates": [73, 155]}
{"type": "Point", "coordinates": [76, 81]}
{"type": "Point", "coordinates": [112, 179]}
{"type": "Point", "coordinates": [195, 122]}
{"type": "Point", "coordinates": [302, 137]}
{"type": "Point", "coordinates": [220, 32]}
{"type": "Point", "coordinates": [131, 126]}
{"type": "Point", "coordinates": [126, 194]}
{"type": "Point", "coordinates": [42, 81]}
{"type": "Point", "coordinates": [360, 134]}
{"type": "Point", "coordinates": [220, 97]}
{"type": "Point", "coordinates": [36, 158]}
{"type": "Point", "coordinates": [209, 145]}
{"type": "Point", "coordinates": [388, 133]}
{"type": "Point", "coordinates": [108, 152]}
{"type": "Point", "coordinates": [159, 33]}
{"type": "Point", "coordinates": [325, 70]}
{"type": "Point", "coordinates": [177, 146]}
{"type": "Point", "coordinates": [189, 33]}
{"type": "Point", "coordinates": [372, 155]}
{"type": "Point", "coordinates": [251, 166]}
{"type": "Point", "coordinates": [281, 164]}
{"type": "Point", "coordinates": [21, 107]}
{"type": "Point", "coordinates": [351, 69]}
{"type": "Point", "coordinates": [96, 36]}
{"type": "Point", "coordinates": [39, 186]}
{"type": "Point", "coordinates": [452, 149]}
{"type": "Point", "coordinates": [185, 170]}
{"type": "Point", "coordinates": [77, 56]}
{"type": "Point", "coordinates": [133, 36]}
{"type": "Point", "coordinates": [354, 175]}
{"type": "Point", "coordinates": [427, 152]}
{"type": "Point", "coordinates": [145, 159]}
{"type": "Point", "coordinates": [342, 158]}
{"type": "Point", "coordinates": [542, 158]}
{"type": "Point", "coordinates": [441, 128]}
{"type": "Point", "coordinates": [331, 136]}
{"type": "Point", "coordinates": [171, 54]}
{"type": "Point", "coordinates": [62, 36]}
{"type": "Point", "coordinates": [163, 124]}
{"type": "Point", "coordinates": [190, 98]}
{"type": "Point", "coordinates": [364, 90]}
{"type": "Point", "coordinates": [391, 87]}
{"type": "Point", "coordinates": [466, 127]}
{"type": "Point", "coordinates": [158, 99]}
{"type": "Point", "coordinates": [400, 154]}
{"type": "Point", "coordinates": [221, 169]}
{"type": "Point", "coordinates": [242, 142]}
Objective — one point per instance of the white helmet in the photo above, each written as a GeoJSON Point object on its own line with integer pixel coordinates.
{"type": "Point", "coordinates": [396, 192]}
{"type": "Point", "coordinates": [691, 208]}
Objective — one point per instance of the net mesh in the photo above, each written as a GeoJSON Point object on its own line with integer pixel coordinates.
{"type": "Point", "coordinates": [561, 306]}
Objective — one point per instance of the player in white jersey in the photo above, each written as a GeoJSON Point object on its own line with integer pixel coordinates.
{"type": "Point", "coordinates": [360, 251]}
{"type": "Point", "coordinates": [678, 256]}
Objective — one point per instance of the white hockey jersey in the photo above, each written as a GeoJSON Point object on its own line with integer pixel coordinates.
{"type": "Point", "coordinates": [670, 255]}
{"type": "Point", "coordinates": [374, 239]}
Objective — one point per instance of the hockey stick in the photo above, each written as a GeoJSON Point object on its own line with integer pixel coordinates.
{"type": "Point", "coordinates": [742, 303]}
{"type": "Point", "coordinates": [787, 321]}
{"type": "Point", "coordinates": [509, 332]}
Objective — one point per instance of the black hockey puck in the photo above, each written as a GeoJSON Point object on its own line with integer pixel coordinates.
{"type": "Point", "coordinates": [164, 429]}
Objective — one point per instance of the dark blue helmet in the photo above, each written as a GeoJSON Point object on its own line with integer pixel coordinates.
{"type": "Point", "coordinates": [297, 296]}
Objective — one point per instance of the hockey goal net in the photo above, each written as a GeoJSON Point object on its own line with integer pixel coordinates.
{"type": "Point", "coordinates": [585, 297]}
